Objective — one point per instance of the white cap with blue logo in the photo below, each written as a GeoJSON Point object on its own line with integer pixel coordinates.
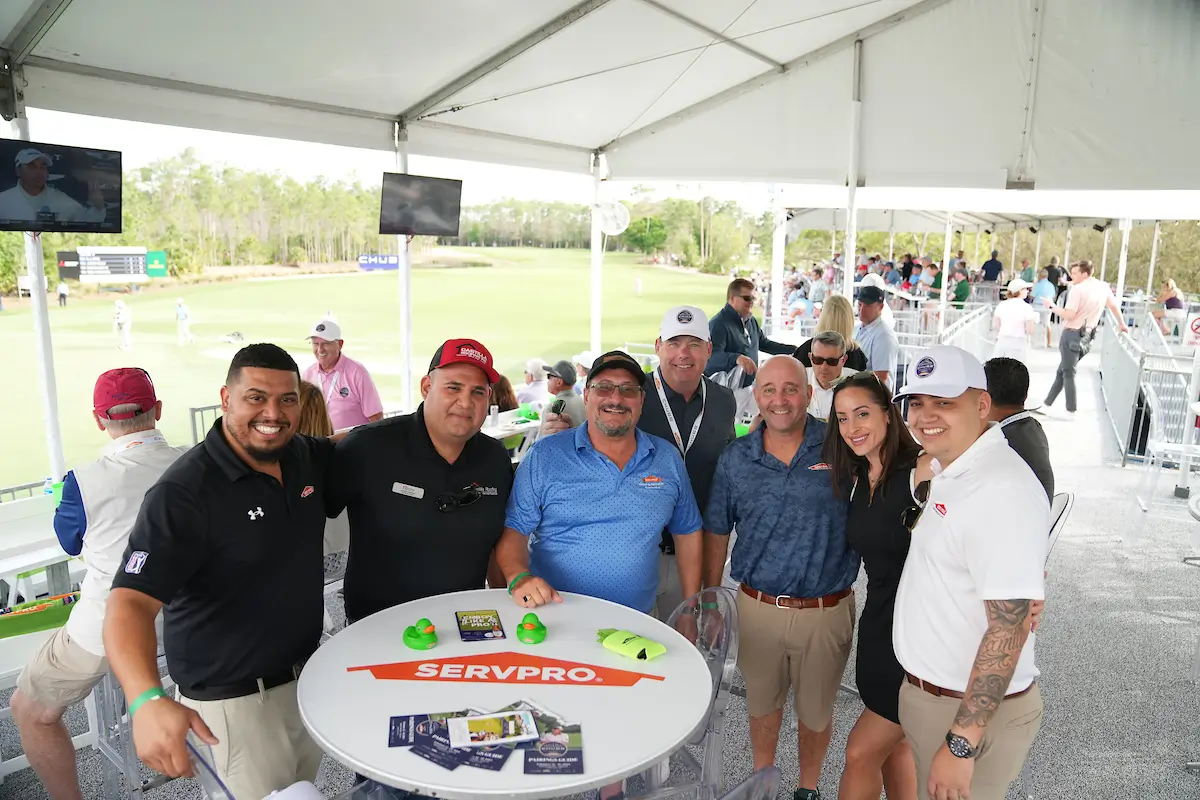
{"type": "Point", "coordinates": [684, 321]}
{"type": "Point", "coordinates": [943, 371]}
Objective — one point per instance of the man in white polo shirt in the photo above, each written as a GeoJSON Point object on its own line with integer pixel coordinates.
{"type": "Point", "coordinates": [350, 394]}
{"type": "Point", "coordinates": [828, 356]}
{"type": "Point", "coordinates": [970, 705]}
{"type": "Point", "coordinates": [99, 505]}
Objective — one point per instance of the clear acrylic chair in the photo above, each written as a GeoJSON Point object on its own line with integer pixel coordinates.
{"type": "Point", "coordinates": [211, 785]}
{"type": "Point", "coordinates": [716, 620]}
{"type": "Point", "coordinates": [762, 785]}
{"type": "Point", "coordinates": [121, 769]}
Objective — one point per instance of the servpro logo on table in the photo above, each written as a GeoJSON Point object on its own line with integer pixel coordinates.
{"type": "Point", "coordinates": [505, 668]}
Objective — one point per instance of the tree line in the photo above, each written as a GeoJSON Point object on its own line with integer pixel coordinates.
{"type": "Point", "coordinates": [205, 215]}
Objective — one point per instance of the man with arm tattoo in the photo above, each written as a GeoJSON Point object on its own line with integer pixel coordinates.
{"type": "Point", "coordinates": [970, 705]}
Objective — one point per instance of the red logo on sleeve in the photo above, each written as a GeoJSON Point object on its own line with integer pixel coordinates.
{"type": "Point", "coordinates": [941, 509]}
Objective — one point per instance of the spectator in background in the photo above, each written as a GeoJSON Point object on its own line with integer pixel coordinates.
{"type": "Point", "coordinates": [961, 290]}
{"type": "Point", "coordinates": [818, 289]}
{"type": "Point", "coordinates": [123, 325]}
{"type": "Point", "coordinates": [877, 340]}
{"type": "Point", "coordinates": [893, 276]}
{"type": "Point", "coordinates": [100, 502]}
{"type": "Point", "coordinates": [314, 421]}
{"type": "Point", "coordinates": [736, 336]}
{"type": "Point", "coordinates": [954, 261]}
{"type": "Point", "coordinates": [878, 282]}
{"type": "Point", "coordinates": [837, 315]}
{"type": "Point", "coordinates": [583, 363]}
{"type": "Point", "coordinates": [1013, 320]}
{"type": "Point", "coordinates": [503, 395]}
{"type": "Point", "coordinates": [1057, 276]}
{"type": "Point", "coordinates": [183, 323]}
{"type": "Point", "coordinates": [1044, 289]}
{"type": "Point", "coordinates": [349, 392]}
{"type": "Point", "coordinates": [1027, 272]}
{"type": "Point", "coordinates": [1173, 308]}
{"type": "Point", "coordinates": [828, 357]}
{"type": "Point", "coordinates": [992, 269]}
{"type": "Point", "coordinates": [1008, 384]}
{"type": "Point", "coordinates": [560, 380]}
{"type": "Point", "coordinates": [63, 291]}
{"type": "Point", "coordinates": [535, 389]}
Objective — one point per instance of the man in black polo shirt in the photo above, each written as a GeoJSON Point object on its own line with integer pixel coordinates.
{"type": "Point", "coordinates": [426, 491]}
{"type": "Point", "coordinates": [230, 541]}
{"type": "Point", "coordinates": [1008, 384]}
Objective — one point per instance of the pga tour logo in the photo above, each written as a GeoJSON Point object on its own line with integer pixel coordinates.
{"type": "Point", "coordinates": [506, 668]}
{"type": "Point", "coordinates": [137, 560]}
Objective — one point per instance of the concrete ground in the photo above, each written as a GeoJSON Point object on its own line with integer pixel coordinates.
{"type": "Point", "coordinates": [1115, 647]}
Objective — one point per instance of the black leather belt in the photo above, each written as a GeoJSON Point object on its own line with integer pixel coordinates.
{"type": "Point", "coordinates": [242, 688]}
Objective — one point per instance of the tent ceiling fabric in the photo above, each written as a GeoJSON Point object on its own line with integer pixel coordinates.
{"type": "Point", "coordinates": [1110, 106]}
{"type": "Point", "coordinates": [910, 221]}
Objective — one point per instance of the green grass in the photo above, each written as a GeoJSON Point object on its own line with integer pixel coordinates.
{"type": "Point", "coordinates": [531, 302]}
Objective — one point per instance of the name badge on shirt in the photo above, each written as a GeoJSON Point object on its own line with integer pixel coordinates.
{"type": "Point", "coordinates": [408, 491]}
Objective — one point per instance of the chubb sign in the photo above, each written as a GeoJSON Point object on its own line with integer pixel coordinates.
{"type": "Point", "coordinates": [505, 668]}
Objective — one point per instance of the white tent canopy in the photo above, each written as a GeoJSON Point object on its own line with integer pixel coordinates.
{"type": "Point", "coordinates": [916, 221]}
{"type": "Point", "coordinates": [984, 93]}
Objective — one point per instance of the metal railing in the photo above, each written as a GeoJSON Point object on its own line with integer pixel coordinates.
{"type": "Point", "coordinates": [21, 491]}
{"type": "Point", "coordinates": [202, 418]}
{"type": "Point", "coordinates": [972, 332]}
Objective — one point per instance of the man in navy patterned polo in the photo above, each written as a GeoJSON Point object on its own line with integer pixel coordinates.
{"type": "Point", "coordinates": [796, 602]}
{"type": "Point", "coordinates": [588, 506]}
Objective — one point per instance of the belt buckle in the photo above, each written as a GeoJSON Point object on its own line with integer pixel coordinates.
{"type": "Point", "coordinates": [782, 597]}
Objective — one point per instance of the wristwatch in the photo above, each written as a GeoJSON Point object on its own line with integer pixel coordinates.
{"type": "Point", "coordinates": [960, 747]}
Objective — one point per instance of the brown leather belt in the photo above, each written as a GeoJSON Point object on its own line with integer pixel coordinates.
{"type": "Point", "coordinates": [786, 601]}
{"type": "Point", "coordinates": [938, 691]}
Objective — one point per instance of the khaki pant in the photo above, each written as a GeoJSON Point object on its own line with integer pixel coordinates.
{"type": "Point", "coordinates": [264, 746]}
{"type": "Point", "coordinates": [804, 649]}
{"type": "Point", "coordinates": [61, 673]}
{"type": "Point", "coordinates": [1010, 733]}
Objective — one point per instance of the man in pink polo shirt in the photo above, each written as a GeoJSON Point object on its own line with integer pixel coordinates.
{"type": "Point", "coordinates": [349, 391]}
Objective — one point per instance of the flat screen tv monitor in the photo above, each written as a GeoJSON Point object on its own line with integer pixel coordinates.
{"type": "Point", "coordinates": [53, 188]}
{"type": "Point", "coordinates": [417, 206]}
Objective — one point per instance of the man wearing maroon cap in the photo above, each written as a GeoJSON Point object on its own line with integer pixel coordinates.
{"type": "Point", "coordinates": [425, 491]}
{"type": "Point", "coordinates": [99, 505]}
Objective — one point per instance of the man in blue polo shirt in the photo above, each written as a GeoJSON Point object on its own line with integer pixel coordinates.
{"type": "Point", "coordinates": [796, 570]}
{"type": "Point", "coordinates": [588, 506]}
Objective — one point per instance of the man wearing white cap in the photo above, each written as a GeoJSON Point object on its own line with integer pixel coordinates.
{"type": "Point", "coordinates": [32, 200]}
{"type": "Point", "coordinates": [1014, 321]}
{"type": "Point", "coordinates": [970, 705]}
{"type": "Point", "coordinates": [536, 389]}
{"type": "Point", "coordinates": [583, 362]}
{"type": "Point", "coordinates": [350, 394]}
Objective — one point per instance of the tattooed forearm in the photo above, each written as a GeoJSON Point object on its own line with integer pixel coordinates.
{"type": "Point", "coordinates": [994, 662]}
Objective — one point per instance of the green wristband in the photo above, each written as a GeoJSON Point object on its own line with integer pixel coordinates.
{"type": "Point", "coordinates": [145, 697]}
{"type": "Point", "coordinates": [513, 582]}
{"type": "Point", "coordinates": [710, 605]}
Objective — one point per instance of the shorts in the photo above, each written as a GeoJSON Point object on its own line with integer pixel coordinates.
{"type": "Point", "coordinates": [1175, 313]}
{"type": "Point", "coordinates": [61, 673]}
{"type": "Point", "coordinates": [804, 649]}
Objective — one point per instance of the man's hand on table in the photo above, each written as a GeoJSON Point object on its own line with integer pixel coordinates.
{"type": "Point", "coordinates": [532, 591]}
{"type": "Point", "coordinates": [160, 729]}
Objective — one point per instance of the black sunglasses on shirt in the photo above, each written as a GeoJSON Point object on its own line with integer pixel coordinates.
{"type": "Point", "coordinates": [911, 515]}
{"type": "Point", "coordinates": [453, 501]}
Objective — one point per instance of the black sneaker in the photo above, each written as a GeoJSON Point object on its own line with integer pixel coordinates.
{"type": "Point", "coordinates": [806, 794]}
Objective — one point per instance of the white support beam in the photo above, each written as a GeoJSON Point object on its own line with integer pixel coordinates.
{"type": "Point", "coordinates": [1104, 253]}
{"type": "Point", "coordinates": [1066, 262]}
{"type": "Point", "coordinates": [892, 236]}
{"type": "Point", "coordinates": [1153, 259]}
{"type": "Point", "coordinates": [944, 272]}
{"type": "Point", "coordinates": [495, 62]}
{"type": "Point", "coordinates": [716, 35]}
{"type": "Point", "coordinates": [852, 174]}
{"type": "Point", "coordinates": [407, 395]}
{"type": "Point", "coordinates": [978, 236]}
{"type": "Point", "coordinates": [721, 98]}
{"type": "Point", "coordinates": [1014, 255]}
{"type": "Point", "coordinates": [778, 246]}
{"type": "Point", "coordinates": [32, 28]}
{"type": "Point", "coordinates": [597, 267]}
{"type": "Point", "coordinates": [1037, 249]}
{"type": "Point", "coordinates": [1123, 259]}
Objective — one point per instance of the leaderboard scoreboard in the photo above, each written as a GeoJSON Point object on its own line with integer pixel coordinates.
{"type": "Point", "coordinates": [114, 265]}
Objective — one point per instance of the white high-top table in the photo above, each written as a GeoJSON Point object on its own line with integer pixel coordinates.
{"type": "Point", "coordinates": [27, 542]}
{"type": "Point", "coordinates": [633, 713]}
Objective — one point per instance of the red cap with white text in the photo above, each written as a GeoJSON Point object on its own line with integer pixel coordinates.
{"type": "Point", "coordinates": [465, 351]}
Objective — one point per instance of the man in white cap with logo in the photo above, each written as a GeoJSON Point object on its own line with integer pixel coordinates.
{"type": "Point", "coordinates": [349, 392]}
{"type": "Point", "coordinates": [970, 704]}
{"type": "Point", "coordinates": [1014, 320]}
{"type": "Point", "coordinates": [32, 200]}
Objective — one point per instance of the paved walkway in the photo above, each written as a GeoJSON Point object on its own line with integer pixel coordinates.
{"type": "Point", "coordinates": [1115, 648]}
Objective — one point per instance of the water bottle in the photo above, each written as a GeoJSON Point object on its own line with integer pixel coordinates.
{"type": "Point", "coordinates": [48, 486]}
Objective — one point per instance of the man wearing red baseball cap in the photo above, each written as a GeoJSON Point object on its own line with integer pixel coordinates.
{"type": "Point", "coordinates": [100, 502]}
{"type": "Point", "coordinates": [409, 481]}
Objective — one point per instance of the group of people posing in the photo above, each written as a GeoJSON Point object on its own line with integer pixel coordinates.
{"type": "Point", "coordinates": [641, 502]}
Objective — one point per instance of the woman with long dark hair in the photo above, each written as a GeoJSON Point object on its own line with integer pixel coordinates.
{"type": "Point", "coordinates": [878, 464]}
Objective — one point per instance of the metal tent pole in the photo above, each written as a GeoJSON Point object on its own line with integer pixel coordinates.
{"type": "Point", "coordinates": [778, 246]}
{"type": "Point", "coordinates": [975, 263]}
{"type": "Point", "coordinates": [1153, 258]}
{"type": "Point", "coordinates": [1014, 255]}
{"type": "Point", "coordinates": [945, 274]}
{"type": "Point", "coordinates": [892, 236]}
{"type": "Point", "coordinates": [1104, 252]}
{"type": "Point", "coordinates": [43, 343]}
{"type": "Point", "coordinates": [1067, 252]}
{"type": "Point", "coordinates": [832, 243]}
{"type": "Point", "coordinates": [597, 274]}
{"type": "Point", "coordinates": [407, 394]}
{"type": "Point", "coordinates": [1123, 259]}
{"type": "Point", "coordinates": [852, 174]}
{"type": "Point", "coordinates": [1037, 248]}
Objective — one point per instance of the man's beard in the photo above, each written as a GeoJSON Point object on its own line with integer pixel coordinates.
{"type": "Point", "coordinates": [615, 431]}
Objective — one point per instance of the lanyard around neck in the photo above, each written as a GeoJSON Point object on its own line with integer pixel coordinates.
{"type": "Point", "coordinates": [662, 396]}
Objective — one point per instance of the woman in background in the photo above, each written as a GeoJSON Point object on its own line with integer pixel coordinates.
{"type": "Point", "coordinates": [503, 395]}
{"type": "Point", "coordinates": [836, 315]}
{"type": "Point", "coordinates": [1174, 308]}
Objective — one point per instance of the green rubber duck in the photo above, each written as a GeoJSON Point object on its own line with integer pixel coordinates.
{"type": "Point", "coordinates": [531, 630]}
{"type": "Point", "coordinates": [422, 636]}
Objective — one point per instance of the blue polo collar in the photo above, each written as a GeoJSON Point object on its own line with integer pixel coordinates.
{"type": "Point", "coordinates": [813, 438]}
